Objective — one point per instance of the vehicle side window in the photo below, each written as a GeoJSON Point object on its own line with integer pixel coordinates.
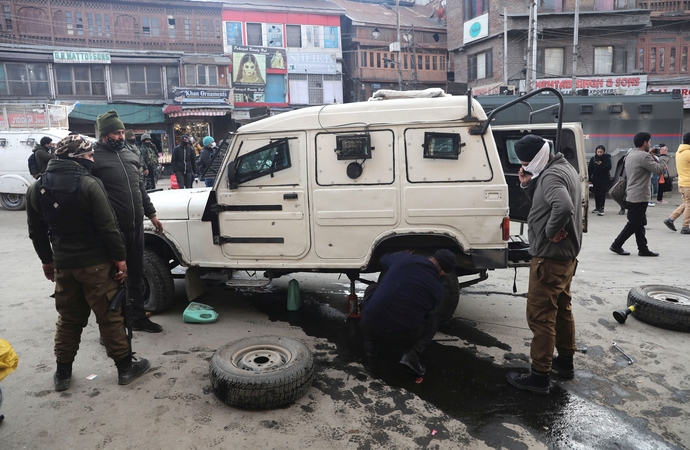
{"type": "Point", "coordinates": [266, 160]}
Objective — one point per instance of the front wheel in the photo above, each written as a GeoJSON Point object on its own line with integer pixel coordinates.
{"type": "Point", "coordinates": [13, 202]}
{"type": "Point", "coordinates": [159, 286]}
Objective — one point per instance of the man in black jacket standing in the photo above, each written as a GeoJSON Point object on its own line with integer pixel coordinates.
{"type": "Point", "coordinates": [118, 169]}
{"type": "Point", "coordinates": [43, 154]}
{"type": "Point", "coordinates": [75, 234]}
{"type": "Point", "coordinates": [184, 162]}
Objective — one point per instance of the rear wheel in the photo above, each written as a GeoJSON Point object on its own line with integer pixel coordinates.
{"type": "Point", "coordinates": [663, 306]}
{"type": "Point", "coordinates": [13, 202]}
{"type": "Point", "coordinates": [159, 286]}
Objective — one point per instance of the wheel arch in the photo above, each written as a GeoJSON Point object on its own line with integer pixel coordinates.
{"type": "Point", "coordinates": [164, 247]}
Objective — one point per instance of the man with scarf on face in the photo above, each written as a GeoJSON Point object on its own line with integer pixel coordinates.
{"type": "Point", "coordinates": [75, 234]}
{"type": "Point", "coordinates": [149, 157]}
{"type": "Point", "coordinates": [555, 237]}
{"type": "Point", "coordinates": [118, 169]}
{"type": "Point", "coordinates": [183, 162]}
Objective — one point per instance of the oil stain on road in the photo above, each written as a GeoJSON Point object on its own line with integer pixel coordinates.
{"type": "Point", "coordinates": [465, 386]}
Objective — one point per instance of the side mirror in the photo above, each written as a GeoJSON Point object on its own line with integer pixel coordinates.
{"type": "Point", "coordinates": [232, 180]}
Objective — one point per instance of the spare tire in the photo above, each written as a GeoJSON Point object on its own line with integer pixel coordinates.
{"type": "Point", "coordinates": [662, 306]}
{"type": "Point", "coordinates": [261, 372]}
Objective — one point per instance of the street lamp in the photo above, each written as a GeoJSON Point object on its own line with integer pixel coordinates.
{"type": "Point", "coordinates": [376, 33]}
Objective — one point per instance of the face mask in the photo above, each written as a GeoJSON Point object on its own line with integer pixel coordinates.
{"type": "Point", "coordinates": [116, 144]}
{"type": "Point", "coordinates": [213, 145]}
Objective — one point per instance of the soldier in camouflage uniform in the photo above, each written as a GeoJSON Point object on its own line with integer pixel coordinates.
{"type": "Point", "coordinates": [149, 155]}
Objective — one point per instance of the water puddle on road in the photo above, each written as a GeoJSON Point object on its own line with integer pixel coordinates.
{"type": "Point", "coordinates": [465, 386]}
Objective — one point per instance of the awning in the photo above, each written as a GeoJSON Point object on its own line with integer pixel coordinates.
{"type": "Point", "coordinates": [199, 112]}
{"type": "Point", "coordinates": [129, 113]}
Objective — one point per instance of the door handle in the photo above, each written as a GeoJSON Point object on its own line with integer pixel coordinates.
{"type": "Point", "coordinates": [292, 196]}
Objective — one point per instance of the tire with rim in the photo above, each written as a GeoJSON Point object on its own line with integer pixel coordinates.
{"type": "Point", "coordinates": [261, 372]}
{"type": "Point", "coordinates": [13, 202]}
{"type": "Point", "coordinates": [451, 297]}
{"type": "Point", "coordinates": [662, 306]}
{"type": "Point", "coordinates": [159, 286]}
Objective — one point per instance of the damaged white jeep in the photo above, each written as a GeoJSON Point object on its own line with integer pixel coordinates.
{"type": "Point", "coordinates": [332, 188]}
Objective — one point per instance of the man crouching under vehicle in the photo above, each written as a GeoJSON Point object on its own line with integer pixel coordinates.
{"type": "Point", "coordinates": [555, 237]}
{"type": "Point", "coordinates": [403, 308]}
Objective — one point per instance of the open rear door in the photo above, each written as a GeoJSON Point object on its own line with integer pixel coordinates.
{"type": "Point", "coordinates": [573, 148]}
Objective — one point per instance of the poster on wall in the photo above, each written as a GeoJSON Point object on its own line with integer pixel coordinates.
{"type": "Point", "coordinates": [250, 65]}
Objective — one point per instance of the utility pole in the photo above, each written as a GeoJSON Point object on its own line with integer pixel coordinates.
{"type": "Point", "coordinates": [397, 28]}
{"type": "Point", "coordinates": [414, 56]}
{"type": "Point", "coordinates": [505, 47]}
{"type": "Point", "coordinates": [534, 45]}
{"type": "Point", "coordinates": [575, 36]}
{"type": "Point", "coordinates": [528, 65]}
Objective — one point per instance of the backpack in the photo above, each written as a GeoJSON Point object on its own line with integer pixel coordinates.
{"type": "Point", "coordinates": [33, 166]}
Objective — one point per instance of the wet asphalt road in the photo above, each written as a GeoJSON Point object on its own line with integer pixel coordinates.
{"type": "Point", "coordinates": [462, 402]}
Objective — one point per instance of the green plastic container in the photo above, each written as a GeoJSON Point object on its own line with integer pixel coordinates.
{"type": "Point", "coordinates": [199, 313]}
{"type": "Point", "coordinates": [293, 301]}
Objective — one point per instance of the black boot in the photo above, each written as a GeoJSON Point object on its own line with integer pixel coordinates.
{"type": "Point", "coordinates": [563, 366]}
{"type": "Point", "coordinates": [128, 370]}
{"type": "Point", "coordinates": [534, 381]}
{"type": "Point", "coordinates": [412, 362]}
{"type": "Point", "coordinates": [62, 376]}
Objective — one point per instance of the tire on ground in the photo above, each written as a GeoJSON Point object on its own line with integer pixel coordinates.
{"type": "Point", "coordinates": [261, 372]}
{"type": "Point", "coordinates": [13, 202]}
{"type": "Point", "coordinates": [159, 286]}
{"type": "Point", "coordinates": [662, 306]}
{"type": "Point", "coordinates": [451, 298]}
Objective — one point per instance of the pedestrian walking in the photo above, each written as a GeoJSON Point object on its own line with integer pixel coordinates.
{"type": "Point", "coordinates": [664, 183]}
{"type": "Point", "coordinates": [555, 236]}
{"type": "Point", "coordinates": [205, 159]}
{"type": "Point", "coordinates": [639, 167]}
{"type": "Point", "coordinates": [600, 176]}
{"type": "Point", "coordinates": [75, 234]}
{"type": "Point", "coordinates": [118, 169]}
{"type": "Point", "coordinates": [683, 169]}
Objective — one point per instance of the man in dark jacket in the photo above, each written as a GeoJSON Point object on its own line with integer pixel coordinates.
{"type": "Point", "coordinates": [149, 156]}
{"type": "Point", "coordinates": [43, 152]}
{"type": "Point", "coordinates": [183, 162]}
{"type": "Point", "coordinates": [206, 156]}
{"type": "Point", "coordinates": [402, 310]}
{"type": "Point", "coordinates": [555, 237]}
{"type": "Point", "coordinates": [118, 169]}
{"type": "Point", "coordinates": [75, 234]}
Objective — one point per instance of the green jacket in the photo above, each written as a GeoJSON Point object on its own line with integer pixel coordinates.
{"type": "Point", "coordinates": [119, 172]}
{"type": "Point", "coordinates": [82, 231]}
{"type": "Point", "coordinates": [134, 149]}
{"type": "Point", "coordinates": [43, 157]}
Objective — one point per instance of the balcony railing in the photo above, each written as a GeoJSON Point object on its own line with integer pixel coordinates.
{"type": "Point", "coordinates": [664, 5]}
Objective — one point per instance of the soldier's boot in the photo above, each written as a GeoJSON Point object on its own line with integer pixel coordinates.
{"type": "Point", "coordinates": [62, 376]}
{"type": "Point", "coordinates": [129, 370]}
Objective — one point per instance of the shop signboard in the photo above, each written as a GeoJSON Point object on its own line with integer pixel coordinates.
{"type": "Point", "coordinates": [317, 63]}
{"type": "Point", "coordinates": [684, 90]}
{"type": "Point", "coordinates": [202, 96]}
{"type": "Point", "coordinates": [71, 57]}
{"type": "Point", "coordinates": [609, 84]}
{"type": "Point", "coordinates": [250, 66]}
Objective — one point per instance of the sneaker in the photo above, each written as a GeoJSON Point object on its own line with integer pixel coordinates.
{"type": "Point", "coordinates": [685, 230]}
{"type": "Point", "coordinates": [663, 202]}
{"type": "Point", "coordinates": [669, 223]}
{"type": "Point", "coordinates": [412, 362]}
{"type": "Point", "coordinates": [600, 213]}
{"type": "Point", "coordinates": [534, 381]}
{"type": "Point", "coordinates": [595, 210]}
{"type": "Point", "coordinates": [563, 366]}
{"type": "Point", "coordinates": [145, 324]}
{"type": "Point", "coordinates": [621, 212]}
{"type": "Point", "coordinates": [651, 204]}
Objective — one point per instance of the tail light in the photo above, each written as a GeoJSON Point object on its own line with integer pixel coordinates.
{"type": "Point", "coordinates": [506, 228]}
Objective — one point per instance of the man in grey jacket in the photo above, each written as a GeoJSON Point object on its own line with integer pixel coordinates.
{"type": "Point", "coordinates": [555, 237]}
{"type": "Point", "coordinates": [639, 167]}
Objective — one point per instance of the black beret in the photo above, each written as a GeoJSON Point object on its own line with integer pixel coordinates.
{"type": "Point", "coordinates": [528, 147]}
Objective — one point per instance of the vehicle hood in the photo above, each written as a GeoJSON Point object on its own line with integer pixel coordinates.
{"type": "Point", "coordinates": [175, 204]}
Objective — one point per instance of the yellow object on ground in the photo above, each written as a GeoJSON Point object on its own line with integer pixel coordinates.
{"type": "Point", "coordinates": [8, 359]}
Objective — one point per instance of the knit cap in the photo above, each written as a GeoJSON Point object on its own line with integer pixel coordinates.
{"type": "Point", "coordinates": [73, 145]}
{"type": "Point", "coordinates": [207, 141]}
{"type": "Point", "coordinates": [129, 135]}
{"type": "Point", "coordinates": [109, 122]}
{"type": "Point", "coordinates": [528, 147]}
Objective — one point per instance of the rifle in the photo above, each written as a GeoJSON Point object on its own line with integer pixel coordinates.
{"type": "Point", "coordinates": [122, 298]}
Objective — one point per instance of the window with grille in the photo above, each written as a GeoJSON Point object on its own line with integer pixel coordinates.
{"type": "Point", "coordinates": [8, 17]}
{"type": "Point", "coordinates": [137, 80]}
{"type": "Point", "coordinates": [80, 80]}
{"type": "Point", "coordinates": [198, 29]}
{"type": "Point", "coordinates": [207, 29]}
{"type": "Point", "coordinates": [24, 79]}
{"type": "Point", "coordinates": [188, 29]}
{"type": "Point", "coordinates": [315, 84]}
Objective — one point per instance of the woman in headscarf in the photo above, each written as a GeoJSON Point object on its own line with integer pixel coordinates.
{"type": "Point", "coordinates": [599, 168]}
